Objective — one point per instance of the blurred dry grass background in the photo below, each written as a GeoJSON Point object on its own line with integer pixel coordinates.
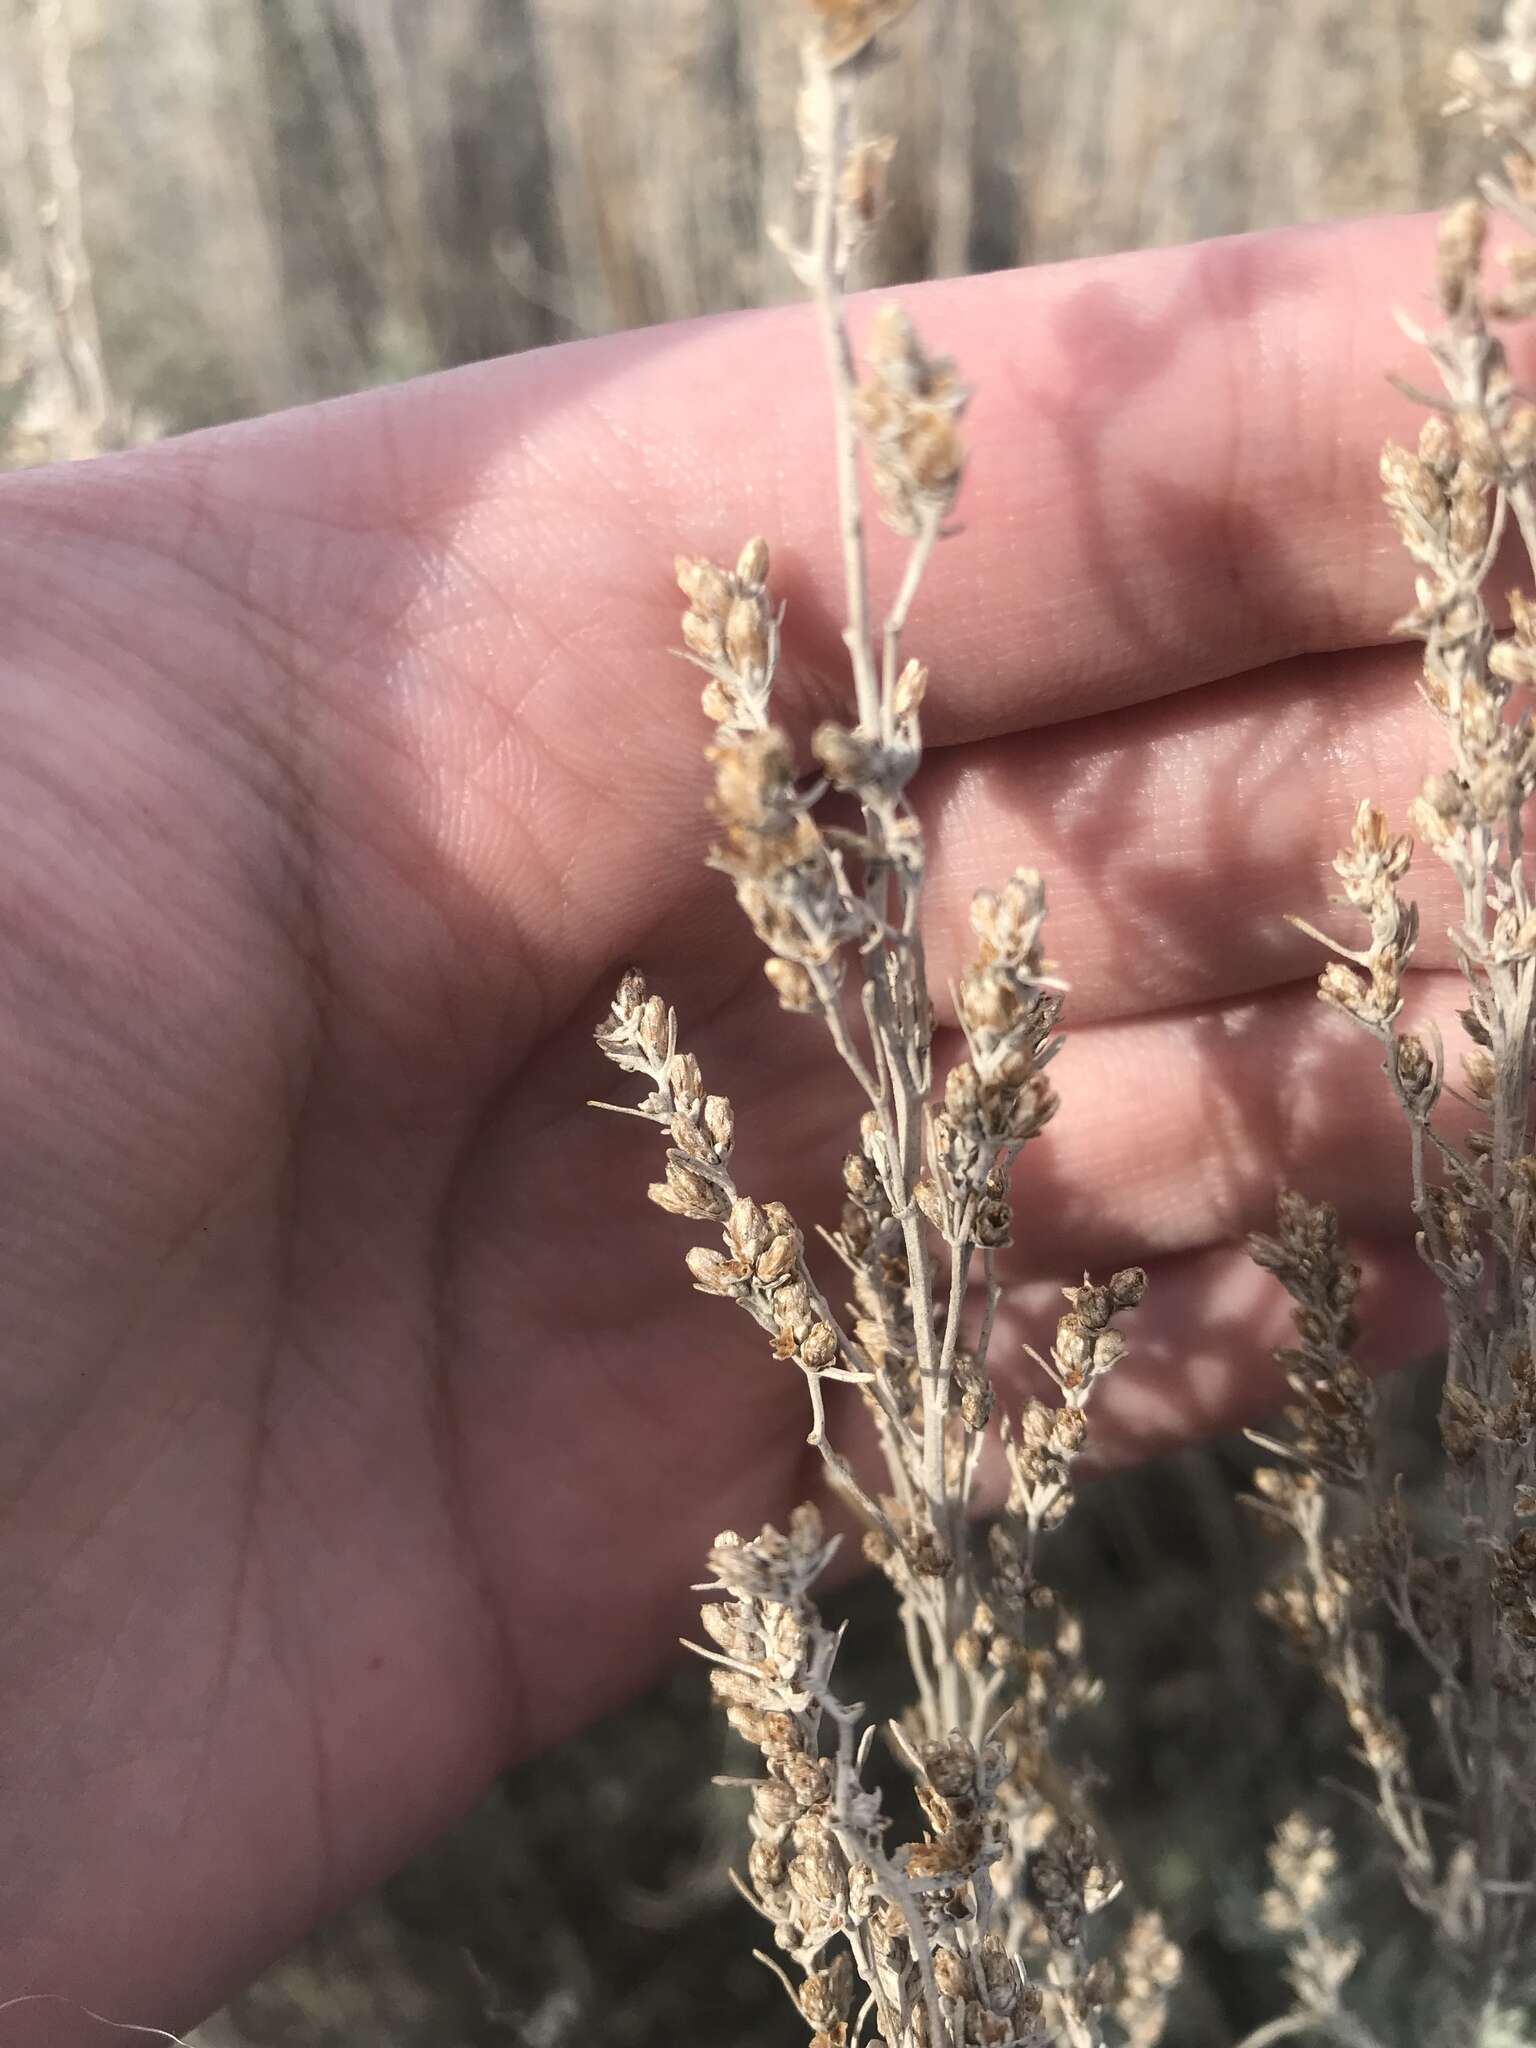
{"type": "Point", "coordinates": [287, 198]}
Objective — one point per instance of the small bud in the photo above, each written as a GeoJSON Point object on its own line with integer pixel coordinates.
{"type": "Point", "coordinates": [952, 1974]}
{"type": "Point", "coordinates": [703, 637]}
{"type": "Point", "coordinates": [714, 1273]}
{"type": "Point", "coordinates": [630, 999]}
{"type": "Point", "coordinates": [687, 1137]}
{"type": "Point", "coordinates": [774, 1805]}
{"type": "Point", "coordinates": [684, 1078]}
{"type": "Point", "coordinates": [819, 1350]}
{"type": "Point", "coordinates": [1411, 488]}
{"type": "Point", "coordinates": [706, 587]}
{"type": "Point", "coordinates": [911, 688]}
{"type": "Point", "coordinates": [1482, 1074]}
{"type": "Point", "coordinates": [655, 1034]}
{"type": "Point", "coordinates": [748, 1228]}
{"type": "Point", "coordinates": [1343, 988]}
{"type": "Point", "coordinates": [720, 1121]}
{"type": "Point", "coordinates": [752, 564]}
{"type": "Point", "coordinates": [1074, 1347]}
{"type": "Point", "coordinates": [848, 758]}
{"type": "Point", "coordinates": [1513, 661]}
{"type": "Point", "coordinates": [1127, 1287]}
{"type": "Point", "coordinates": [1463, 229]}
{"type": "Point", "coordinates": [1428, 823]}
{"type": "Point", "coordinates": [930, 1202]}
{"type": "Point", "coordinates": [1437, 445]}
{"type": "Point", "coordinates": [962, 1092]}
{"type": "Point", "coordinates": [746, 636]}
{"type": "Point", "coordinates": [1479, 457]}
{"type": "Point", "coordinates": [689, 1194]}
{"type": "Point", "coordinates": [1094, 1306]}
{"type": "Point", "coordinates": [1108, 1350]}
{"type": "Point", "coordinates": [1415, 1068]}
{"type": "Point", "coordinates": [1464, 1424]}
{"type": "Point", "coordinates": [994, 1219]}
{"type": "Point", "coordinates": [970, 1650]}
{"type": "Point", "coordinates": [826, 1996]}
{"type": "Point", "coordinates": [792, 985]}
{"type": "Point", "coordinates": [777, 1260]}
{"type": "Point", "coordinates": [1446, 795]}
{"type": "Point", "coordinates": [718, 703]}
{"type": "Point", "coordinates": [723, 1626]}
{"type": "Point", "coordinates": [976, 1401]}
{"type": "Point", "coordinates": [988, 1001]}
{"type": "Point", "coordinates": [928, 1556]}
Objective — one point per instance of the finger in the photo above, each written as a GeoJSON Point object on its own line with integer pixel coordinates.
{"type": "Point", "coordinates": [1187, 496]}
{"type": "Point", "coordinates": [703, 1406]}
{"type": "Point", "coordinates": [446, 606]}
{"type": "Point", "coordinates": [1172, 477]}
{"type": "Point", "coordinates": [1176, 1131]}
{"type": "Point", "coordinates": [1201, 1363]}
{"type": "Point", "coordinates": [1173, 1135]}
{"type": "Point", "coordinates": [1178, 837]}
{"type": "Point", "coordinates": [1202, 1343]}
{"type": "Point", "coordinates": [1201, 1360]}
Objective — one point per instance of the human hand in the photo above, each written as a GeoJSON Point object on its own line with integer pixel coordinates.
{"type": "Point", "coordinates": [359, 1428]}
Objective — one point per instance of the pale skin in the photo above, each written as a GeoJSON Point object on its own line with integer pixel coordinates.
{"type": "Point", "coordinates": [359, 1431]}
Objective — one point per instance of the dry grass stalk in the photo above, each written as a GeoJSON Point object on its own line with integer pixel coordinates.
{"type": "Point", "coordinates": [1460, 1817]}
{"type": "Point", "coordinates": [984, 1928]}
{"type": "Point", "coordinates": [55, 401]}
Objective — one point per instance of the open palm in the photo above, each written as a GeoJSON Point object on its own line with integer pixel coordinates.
{"type": "Point", "coordinates": [358, 1428]}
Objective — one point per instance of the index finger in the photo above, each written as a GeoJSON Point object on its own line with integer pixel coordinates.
{"type": "Point", "coordinates": [1172, 474]}
{"type": "Point", "coordinates": [1173, 471]}
{"type": "Point", "coordinates": [1172, 479]}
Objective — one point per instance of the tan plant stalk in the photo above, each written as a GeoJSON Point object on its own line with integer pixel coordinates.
{"type": "Point", "coordinates": [983, 1927]}
{"type": "Point", "coordinates": [60, 228]}
{"type": "Point", "coordinates": [1467, 1857]}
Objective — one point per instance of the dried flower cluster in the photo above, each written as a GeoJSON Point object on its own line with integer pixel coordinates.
{"type": "Point", "coordinates": [1459, 1811]}
{"type": "Point", "coordinates": [1320, 1961]}
{"type": "Point", "coordinates": [977, 1923]}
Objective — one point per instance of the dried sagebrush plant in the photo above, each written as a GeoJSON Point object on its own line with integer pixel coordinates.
{"type": "Point", "coordinates": [1456, 1799]}
{"type": "Point", "coordinates": [982, 1928]}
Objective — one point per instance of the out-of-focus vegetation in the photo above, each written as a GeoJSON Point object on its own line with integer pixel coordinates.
{"type": "Point", "coordinates": [281, 199]}
{"type": "Point", "coordinates": [287, 198]}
